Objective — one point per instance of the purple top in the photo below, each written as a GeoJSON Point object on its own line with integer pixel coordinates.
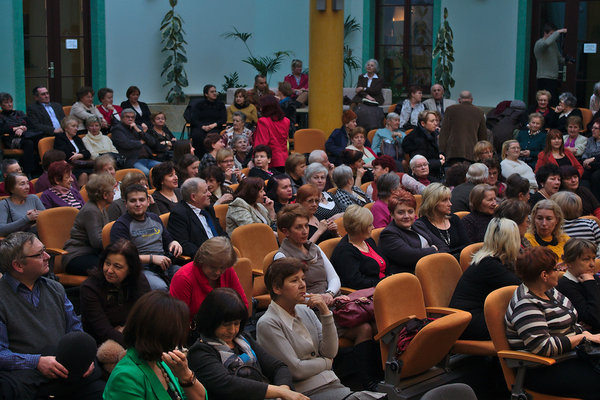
{"type": "Point", "coordinates": [381, 214]}
{"type": "Point", "coordinates": [51, 199]}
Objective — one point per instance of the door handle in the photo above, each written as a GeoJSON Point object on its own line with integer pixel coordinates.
{"type": "Point", "coordinates": [51, 69]}
{"type": "Point", "coordinates": [564, 73]}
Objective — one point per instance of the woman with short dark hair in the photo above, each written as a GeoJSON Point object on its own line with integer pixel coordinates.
{"type": "Point", "coordinates": [243, 105]}
{"type": "Point", "coordinates": [482, 202]}
{"type": "Point", "coordinates": [142, 111]}
{"type": "Point", "coordinates": [250, 205]}
{"type": "Point", "coordinates": [84, 108]}
{"type": "Point", "coordinates": [166, 182]}
{"type": "Point", "coordinates": [111, 112]}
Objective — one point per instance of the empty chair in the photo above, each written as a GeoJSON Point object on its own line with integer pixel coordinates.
{"type": "Point", "coordinates": [307, 140]}
{"type": "Point", "coordinates": [254, 241]}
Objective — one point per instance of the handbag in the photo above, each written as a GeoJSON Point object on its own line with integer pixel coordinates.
{"type": "Point", "coordinates": [391, 149]}
{"type": "Point", "coordinates": [355, 310]}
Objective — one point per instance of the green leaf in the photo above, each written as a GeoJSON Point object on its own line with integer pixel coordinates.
{"type": "Point", "coordinates": [173, 3]}
{"type": "Point", "coordinates": [168, 61]}
{"type": "Point", "coordinates": [450, 58]}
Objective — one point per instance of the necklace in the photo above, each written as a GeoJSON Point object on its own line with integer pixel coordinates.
{"type": "Point", "coordinates": [171, 389]}
{"type": "Point", "coordinates": [445, 235]}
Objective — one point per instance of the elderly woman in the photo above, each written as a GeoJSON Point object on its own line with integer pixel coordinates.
{"type": "Point", "coordinates": [573, 140]}
{"type": "Point", "coordinates": [95, 142]}
{"type": "Point", "coordinates": [61, 193]}
{"type": "Point", "coordinates": [492, 267]}
{"type": "Point", "coordinates": [482, 201]}
{"type": "Point", "coordinates": [226, 162]}
{"type": "Point", "coordinates": [388, 140]}
{"type": "Point", "coordinates": [387, 184]}
{"type": "Point", "coordinates": [84, 108]}
{"type": "Point", "coordinates": [242, 151]}
{"type": "Point", "coordinates": [546, 228]}
{"type": "Point", "coordinates": [250, 205]}
{"type": "Point", "coordinates": [142, 111]}
{"type": "Point", "coordinates": [154, 367]}
{"type": "Point", "coordinates": [410, 108]}
{"type": "Point", "coordinates": [279, 189]}
{"type": "Point", "coordinates": [211, 268]}
{"type": "Point", "coordinates": [493, 177]}
{"type": "Point", "coordinates": [554, 153]}
{"type": "Point", "coordinates": [207, 115]}
{"type": "Point", "coordinates": [13, 128]}
{"type": "Point", "coordinates": [72, 145]}
{"type": "Point", "coordinates": [542, 107]}
{"type": "Point", "coordinates": [110, 292]}
{"type": "Point", "coordinates": [110, 112]}
{"type": "Point", "coordinates": [20, 210]}
{"type": "Point", "coordinates": [483, 150]}
{"type": "Point", "coordinates": [357, 140]}
{"type": "Point", "coordinates": [573, 226]}
{"type": "Point", "coordinates": [419, 167]}
{"type": "Point", "coordinates": [369, 85]}
{"type": "Point", "coordinates": [117, 208]}
{"type": "Point", "coordinates": [356, 258]}
{"type": "Point", "coordinates": [532, 139]}
{"type": "Point", "coordinates": [549, 180]}
{"type": "Point", "coordinates": [590, 164]}
{"type": "Point", "coordinates": [238, 127]}
{"type": "Point", "coordinates": [401, 242]}
{"type": "Point", "coordinates": [386, 164]}
{"type": "Point", "coordinates": [476, 174]}
{"type": "Point", "coordinates": [517, 211]}
{"type": "Point", "coordinates": [272, 130]}
{"type": "Point", "coordinates": [295, 165]}
{"type": "Point", "coordinates": [85, 243]}
{"type": "Point", "coordinates": [230, 363]}
{"type": "Point", "coordinates": [567, 107]}
{"type": "Point", "coordinates": [242, 104]}
{"type": "Point", "coordinates": [347, 193]}
{"type": "Point", "coordinates": [511, 151]}
{"type": "Point", "coordinates": [338, 139]}
{"type": "Point", "coordinates": [541, 320]}
{"type": "Point", "coordinates": [328, 209]}
{"type": "Point", "coordinates": [436, 217]}
{"type": "Point", "coordinates": [215, 180]}
{"type": "Point", "coordinates": [570, 181]}
{"type": "Point", "coordinates": [166, 182]}
{"type": "Point", "coordinates": [298, 82]}
{"type": "Point", "coordinates": [309, 197]}
{"type": "Point", "coordinates": [423, 141]}
{"type": "Point", "coordinates": [580, 283]}
{"type": "Point", "coordinates": [107, 164]}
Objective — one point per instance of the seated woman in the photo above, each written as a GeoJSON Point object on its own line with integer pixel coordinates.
{"type": "Point", "coordinates": [354, 159]}
{"type": "Point", "coordinates": [590, 164]}
{"type": "Point", "coordinates": [532, 139]}
{"type": "Point", "coordinates": [357, 143]}
{"type": "Point", "coordinates": [402, 243]}
{"type": "Point", "coordinates": [419, 168]}
{"type": "Point", "coordinates": [570, 181]}
{"type": "Point", "coordinates": [110, 112]}
{"type": "Point", "coordinates": [482, 201]}
{"type": "Point", "coordinates": [511, 164]}
{"type": "Point", "coordinates": [410, 108]}
{"type": "Point", "coordinates": [580, 283]}
{"type": "Point", "coordinates": [295, 165]}
{"type": "Point", "coordinates": [238, 126]}
{"type": "Point", "coordinates": [356, 258]}
{"type": "Point", "coordinates": [154, 367]}
{"type": "Point", "coordinates": [242, 105]}
{"type": "Point", "coordinates": [369, 85]}
{"type": "Point", "coordinates": [347, 193]}
{"type": "Point", "coordinates": [548, 178]}
{"type": "Point", "coordinates": [215, 180]}
{"type": "Point", "coordinates": [298, 82]}
{"type": "Point", "coordinates": [272, 130]}
{"type": "Point", "coordinates": [573, 140]}
{"type": "Point", "coordinates": [386, 164]}
{"type": "Point", "coordinates": [309, 197]}
{"type": "Point", "coordinates": [142, 111]}
{"type": "Point", "coordinates": [161, 132]}
{"type": "Point", "coordinates": [574, 226]}
{"type": "Point", "coordinates": [13, 128]}
{"type": "Point", "coordinates": [546, 227]}
{"type": "Point", "coordinates": [117, 208]}
{"type": "Point", "coordinates": [423, 140]}
{"type": "Point", "coordinates": [387, 184]}
{"type": "Point", "coordinates": [230, 363]}
{"type": "Point", "coordinates": [211, 268]}
{"type": "Point", "coordinates": [391, 135]}
{"type": "Point", "coordinates": [187, 167]}
{"type": "Point", "coordinates": [72, 145]}
{"type": "Point", "coordinates": [518, 212]}
{"type": "Point", "coordinates": [492, 267]}
{"type": "Point", "coordinates": [85, 243]}
{"type": "Point", "coordinates": [338, 139]}
{"type": "Point", "coordinates": [517, 188]}
{"type": "Point", "coordinates": [541, 320]}
{"type": "Point", "coordinates": [542, 107]}
{"type": "Point", "coordinates": [250, 205]}
{"type": "Point", "coordinates": [212, 144]}
{"type": "Point", "coordinates": [242, 152]}
{"type": "Point", "coordinates": [166, 182]}
{"type": "Point", "coordinates": [328, 209]}
{"type": "Point", "coordinates": [95, 142]}
{"type": "Point", "coordinates": [262, 160]}
{"type": "Point", "coordinates": [567, 107]}
{"type": "Point", "coordinates": [110, 292]}
{"type": "Point", "coordinates": [279, 189]}
{"type": "Point", "coordinates": [595, 98]}
{"type": "Point", "coordinates": [493, 177]}
{"type": "Point", "coordinates": [554, 153]}
{"type": "Point", "coordinates": [483, 150]}
{"type": "Point", "coordinates": [61, 193]}
{"type": "Point", "coordinates": [20, 210]}
{"type": "Point", "coordinates": [84, 108]}
{"type": "Point", "coordinates": [435, 216]}
{"type": "Point", "coordinates": [225, 161]}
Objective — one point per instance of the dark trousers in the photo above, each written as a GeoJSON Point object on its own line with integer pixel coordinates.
{"type": "Point", "coordinates": [570, 378]}
{"type": "Point", "coordinates": [82, 264]}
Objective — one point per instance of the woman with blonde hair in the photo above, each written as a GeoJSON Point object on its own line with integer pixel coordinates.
{"type": "Point", "coordinates": [546, 227]}
{"type": "Point", "coordinates": [483, 150]}
{"type": "Point", "coordinates": [511, 164]}
{"type": "Point", "coordinates": [576, 227]}
{"type": "Point", "coordinates": [436, 217]}
{"type": "Point", "coordinates": [492, 267]}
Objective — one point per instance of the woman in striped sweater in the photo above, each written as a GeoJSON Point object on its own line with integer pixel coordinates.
{"type": "Point", "coordinates": [539, 319]}
{"type": "Point", "coordinates": [573, 226]}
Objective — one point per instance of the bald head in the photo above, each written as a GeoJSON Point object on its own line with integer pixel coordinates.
{"type": "Point", "coordinates": [465, 97]}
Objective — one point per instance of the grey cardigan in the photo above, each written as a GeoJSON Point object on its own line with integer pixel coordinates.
{"type": "Point", "coordinates": [86, 234]}
{"type": "Point", "coordinates": [241, 213]}
{"type": "Point", "coordinates": [13, 217]}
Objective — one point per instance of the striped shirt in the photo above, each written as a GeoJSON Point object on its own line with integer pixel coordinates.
{"type": "Point", "coordinates": [68, 198]}
{"type": "Point", "coordinates": [540, 326]}
{"type": "Point", "coordinates": [582, 228]}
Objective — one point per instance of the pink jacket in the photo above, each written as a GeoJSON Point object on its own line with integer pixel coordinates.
{"type": "Point", "coordinates": [274, 134]}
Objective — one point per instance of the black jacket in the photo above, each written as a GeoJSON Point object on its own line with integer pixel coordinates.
{"type": "Point", "coordinates": [355, 270]}
{"type": "Point", "coordinates": [424, 143]}
{"type": "Point", "coordinates": [61, 142]}
{"type": "Point", "coordinates": [128, 143]}
{"type": "Point", "coordinates": [186, 228]}
{"type": "Point", "coordinates": [145, 117]}
{"type": "Point", "coordinates": [38, 119]}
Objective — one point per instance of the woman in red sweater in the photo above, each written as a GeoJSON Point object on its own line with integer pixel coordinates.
{"type": "Point", "coordinates": [272, 130]}
{"type": "Point", "coordinates": [554, 153]}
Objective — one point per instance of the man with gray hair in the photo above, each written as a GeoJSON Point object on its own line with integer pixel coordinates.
{"type": "Point", "coordinates": [477, 173]}
{"type": "Point", "coordinates": [463, 126]}
{"type": "Point", "coordinates": [437, 102]}
{"type": "Point", "coordinates": [193, 220]}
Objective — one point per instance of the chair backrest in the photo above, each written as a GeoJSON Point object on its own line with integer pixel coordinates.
{"type": "Point", "coordinates": [368, 206]}
{"type": "Point", "coordinates": [419, 200]}
{"type": "Point", "coordinates": [332, 190]}
{"type": "Point", "coordinates": [120, 174]}
{"type": "Point", "coordinates": [254, 241]}
{"type": "Point", "coordinates": [106, 234]}
{"type": "Point", "coordinates": [340, 226]}
{"type": "Point", "coordinates": [462, 214]}
{"type": "Point", "coordinates": [243, 269]}
{"type": "Point", "coordinates": [83, 193]}
{"type": "Point", "coordinates": [44, 145]}
{"type": "Point", "coordinates": [244, 171]}
{"type": "Point", "coordinates": [150, 181]}
{"type": "Point", "coordinates": [165, 218]}
{"type": "Point", "coordinates": [329, 245]}
{"type": "Point", "coordinates": [438, 274]}
{"type": "Point", "coordinates": [234, 186]}
{"type": "Point", "coordinates": [365, 186]}
{"type": "Point", "coordinates": [67, 110]}
{"type": "Point", "coordinates": [371, 134]}
{"type": "Point", "coordinates": [54, 229]}
{"type": "Point", "coordinates": [221, 214]}
{"type": "Point", "coordinates": [587, 116]}
{"type": "Point", "coordinates": [268, 260]}
{"type": "Point", "coordinates": [466, 254]}
{"type": "Point", "coordinates": [307, 140]}
{"type": "Point", "coordinates": [33, 181]}
{"type": "Point", "coordinates": [375, 233]}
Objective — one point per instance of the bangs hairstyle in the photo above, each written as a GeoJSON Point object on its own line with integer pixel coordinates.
{"type": "Point", "coordinates": [279, 270]}
{"type": "Point", "coordinates": [533, 261]}
{"type": "Point", "coordinates": [215, 252]}
{"type": "Point", "coordinates": [506, 145]}
{"type": "Point", "coordinates": [314, 168]}
{"type": "Point", "coordinates": [10, 182]}
{"type": "Point", "coordinates": [286, 217]}
{"type": "Point", "coordinates": [213, 172]}
{"type": "Point", "coordinates": [553, 134]}
{"type": "Point", "coordinates": [306, 191]}
{"type": "Point", "coordinates": [221, 305]}
{"type": "Point", "coordinates": [357, 219]}
{"type": "Point", "coordinates": [249, 188]}
{"type": "Point", "coordinates": [222, 154]}
{"type": "Point", "coordinates": [156, 323]}
{"type": "Point", "coordinates": [262, 148]}
{"type": "Point", "coordinates": [131, 178]}
{"type": "Point", "coordinates": [403, 197]}
{"type": "Point", "coordinates": [545, 172]}
{"type": "Point", "coordinates": [575, 120]}
{"type": "Point", "coordinates": [575, 248]}
{"type": "Point", "coordinates": [480, 148]}
{"type": "Point", "coordinates": [433, 194]}
{"type": "Point", "coordinates": [128, 250]}
{"type": "Point", "coordinates": [359, 130]}
{"type": "Point", "coordinates": [569, 203]}
{"type": "Point", "coordinates": [536, 115]}
{"type": "Point", "coordinates": [210, 140]}
{"type": "Point", "coordinates": [160, 171]}
{"type": "Point", "coordinates": [501, 240]}
{"type": "Point", "coordinates": [350, 156]}
{"type": "Point", "coordinates": [547, 204]}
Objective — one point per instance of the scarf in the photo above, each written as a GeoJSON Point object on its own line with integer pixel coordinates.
{"type": "Point", "coordinates": [316, 276]}
{"type": "Point", "coordinates": [244, 365]}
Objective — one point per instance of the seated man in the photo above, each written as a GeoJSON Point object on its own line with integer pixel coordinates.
{"type": "Point", "coordinates": [11, 166]}
{"type": "Point", "coordinates": [43, 350]}
{"type": "Point", "coordinates": [193, 220]}
{"type": "Point", "coordinates": [148, 234]}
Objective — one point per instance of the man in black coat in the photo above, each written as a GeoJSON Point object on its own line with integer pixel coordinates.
{"type": "Point", "coordinates": [43, 115]}
{"type": "Point", "coordinates": [193, 219]}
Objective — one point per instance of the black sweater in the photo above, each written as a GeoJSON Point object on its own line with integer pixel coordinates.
{"type": "Point", "coordinates": [585, 297]}
{"type": "Point", "coordinates": [355, 270]}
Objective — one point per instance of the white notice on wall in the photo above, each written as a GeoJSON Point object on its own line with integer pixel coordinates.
{"type": "Point", "coordinates": [71, 44]}
{"type": "Point", "coordinates": [589, 48]}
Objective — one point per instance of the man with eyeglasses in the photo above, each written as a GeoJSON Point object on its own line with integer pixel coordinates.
{"type": "Point", "coordinates": [38, 327]}
{"type": "Point", "coordinates": [43, 115]}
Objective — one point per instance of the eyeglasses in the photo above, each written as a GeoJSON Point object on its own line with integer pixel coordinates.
{"type": "Point", "coordinates": [421, 165]}
{"type": "Point", "coordinates": [38, 255]}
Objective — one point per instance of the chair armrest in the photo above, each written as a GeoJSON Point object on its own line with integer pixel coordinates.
{"type": "Point", "coordinates": [346, 290]}
{"type": "Point", "coordinates": [518, 357]}
{"type": "Point", "coordinates": [56, 252]}
{"type": "Point", "coordinates": [393, 326]}
{"type": "Point", "coordinates": [442, 310]}
{"type": "Point", "coordinates": [184, 258]}
{"type": "Point", "coordinates": [257, 272]}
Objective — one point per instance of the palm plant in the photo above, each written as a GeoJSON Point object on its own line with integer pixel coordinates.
{"type": "Point", "coordinates": [172, 32]}
{"type": "Point", "coordinates": [444, 53]}
{"type": "Point", "coordinates": [351, 62]}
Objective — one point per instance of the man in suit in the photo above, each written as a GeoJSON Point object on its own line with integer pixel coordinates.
{"type": "Point", "coordinates": [437, 102]}
{"type": "Point", "coordinates": [463, 126]}
{"type": "Point", "coordinates": [43, 115]}
{"type": "Point", "coordinates": [193, 220]}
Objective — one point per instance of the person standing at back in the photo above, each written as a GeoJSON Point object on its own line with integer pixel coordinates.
{"type": "Point", "coordinates": [549, 60]}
